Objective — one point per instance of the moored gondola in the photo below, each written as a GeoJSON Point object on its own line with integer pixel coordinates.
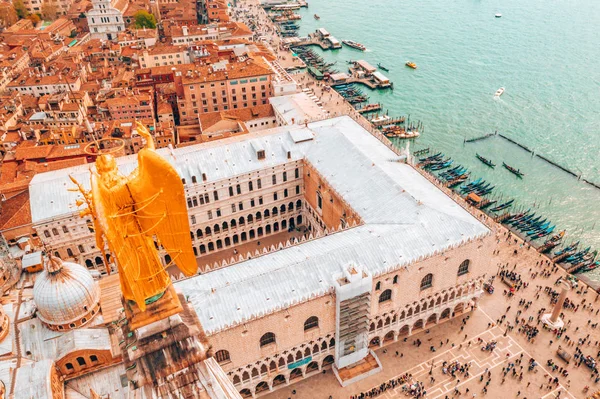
{"type": "Point", "coordinates": [503, 206]}
{"type": "Point", "coordinates": [485, 161]}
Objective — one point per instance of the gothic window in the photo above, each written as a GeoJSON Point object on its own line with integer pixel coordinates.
{"type": "Point", "coordinates": [464, 267]}
{"type": "Point", "coordinates": [266, 339]}
{"type": "Point", "coordinates": [385, 296]}
{"type": "Point", "coordinates": [427, 281]}
{"type": "Point", "coordinates": [222, 356]}
{"type": "Point", "coordinates": [311, 322]}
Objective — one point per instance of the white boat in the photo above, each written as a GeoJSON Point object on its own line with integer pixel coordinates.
{"type": "Point", "coordinates": [498, 15]}
{"type": "Point", "coordinates": [380, 120]}
{"type": "Point", "coordinates": [499, 92]}
{"type": "Point", "coordinates": [354, 44]}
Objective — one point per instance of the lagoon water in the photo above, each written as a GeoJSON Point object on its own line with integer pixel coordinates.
{"type": "Point", "coordinates": [546, 55]}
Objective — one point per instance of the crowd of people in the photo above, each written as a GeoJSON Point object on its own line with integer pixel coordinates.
{"type": "Point", "coordinates": [409, 385]}
{"type": "Point", "coordinates": [455, 368]}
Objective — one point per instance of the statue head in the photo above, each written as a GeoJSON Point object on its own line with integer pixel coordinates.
{"type": "Point", "coordinates": [106, 163]}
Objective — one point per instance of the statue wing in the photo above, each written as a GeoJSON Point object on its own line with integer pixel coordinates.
{"type": "Point", "coordinates": [161, 208]}
{"type": "Point", "coordinates": [106, 205]}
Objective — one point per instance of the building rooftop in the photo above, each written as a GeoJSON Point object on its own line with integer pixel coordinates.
{"type": "Point", "coordinates": [211, 73]}
{"type": "Point", "coordinates": [406, 218]}
{"type": "Point", "coordinates": [297, 108]}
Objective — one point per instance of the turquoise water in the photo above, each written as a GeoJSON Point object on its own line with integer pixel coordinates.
{"type": "Point", "coordinates": [545, 54]}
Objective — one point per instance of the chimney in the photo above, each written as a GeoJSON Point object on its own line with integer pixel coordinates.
{"type": "Point", "coordinates": [184, 29]}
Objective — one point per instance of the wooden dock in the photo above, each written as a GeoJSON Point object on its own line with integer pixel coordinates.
{"type": "Point", "coordinates": [369, 108]}
{"type": "Point", "coordinates": [502, 218]}
{"type": "Point", "coordinates": [558, 258]}
{"type": "Point", "coordinates": [479, 138]}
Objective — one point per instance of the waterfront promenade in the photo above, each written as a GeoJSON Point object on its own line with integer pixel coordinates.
{"type": "Point", "coordinates": [455, 341]}
{"type": "Point", "coordinates": [495, 318]}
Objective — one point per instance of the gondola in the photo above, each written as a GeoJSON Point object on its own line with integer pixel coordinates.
{"type": "Point", "coordinates": [514, 171]}
{"type": "Point", "coordinates": [588, 267]}
{"type": "Point", "coordinates": [473, 183]}
{"type": "Point", "coordinates": [545, 232]}
{"type": "Point", "coordinates": [485, 161]}
{"type": "Point", "coordinates": [578, 255]}
{"type": "Point", "coordinates": [382, 67]}
{"type": "Point", "coordinates": [442, 165]}
{"type": "Point", "coordinates": [503, 206]}
{"type": "Point", "coordinates": [551, 242]}
{"type": "Point", "coordinates": [570, 248]}
{"type": "Point", "coordinates": [432, 157]}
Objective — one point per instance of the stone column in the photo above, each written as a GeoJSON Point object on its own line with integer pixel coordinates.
{"type": "Point", "coordinates": [553, 320]}
{"type": "Point", "coordinates": [559, 305]}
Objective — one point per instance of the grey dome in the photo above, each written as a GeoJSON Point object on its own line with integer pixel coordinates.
{"type": "Point", "coordinates": [65, 292]}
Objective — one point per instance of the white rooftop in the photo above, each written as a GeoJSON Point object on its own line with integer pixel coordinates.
{"type": "Point", "coordinates": [380, 77]}
{"type": "Point", "coordinates": [406, 218]}
{"type": "Point", "coordinates": [296, 108]}
{"type": "Point", "coordinates": [32, 259]}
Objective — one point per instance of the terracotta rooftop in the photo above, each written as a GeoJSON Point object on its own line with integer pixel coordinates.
{"type": "Point", "coordinates": [15, 211]}
{"type": "Point", "coordinates": [234, 28]}
{"type": "Point", "coordinates": [206, 73]}
{"type": "Point", "coordinates": [25, 80]}
{"type": "Point", "coordinates": [242, 114]}
{"type": "Point", "coordinates": [134, 100]}
{"type": "Point", "coordinates": [164, 49]}
{"type": "Point", "coordinates": [49, 152]}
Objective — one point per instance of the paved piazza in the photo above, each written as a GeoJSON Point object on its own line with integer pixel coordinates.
{"type": "Point", "coordinates": [482, 324]}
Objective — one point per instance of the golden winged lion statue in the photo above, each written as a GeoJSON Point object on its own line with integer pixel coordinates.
{"type": "Point", "coordinates": [136, 215]}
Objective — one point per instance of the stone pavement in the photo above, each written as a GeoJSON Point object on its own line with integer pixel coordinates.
{"type": "Point", "coordinates": [450, 344]}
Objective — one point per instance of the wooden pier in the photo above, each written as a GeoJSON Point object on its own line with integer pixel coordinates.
{"type": "Point", "coordinates": [369, 108]}
{"type": "Point", "coordinates": [573, 268]}
{"type": "Point", "coordinates": [479, 138]}
{"type": "Point", "coordinates": [502, 218]}
{"type": "Point", "coordinates": [560, 257]}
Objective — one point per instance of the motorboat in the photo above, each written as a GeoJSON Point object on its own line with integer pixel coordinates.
{"type": "Point", "coordinates": [499, 92]}
{"type": "Point", "coordinates": [380, 119]}
{"type": "Point", "coordinates": [317, 17]}
{"type": "Point", "coordinates": [354, 44]}
{"type": "Point", "coordinates": [411, 64]}
{"type": "Point", "coordinates": [498, 15]}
